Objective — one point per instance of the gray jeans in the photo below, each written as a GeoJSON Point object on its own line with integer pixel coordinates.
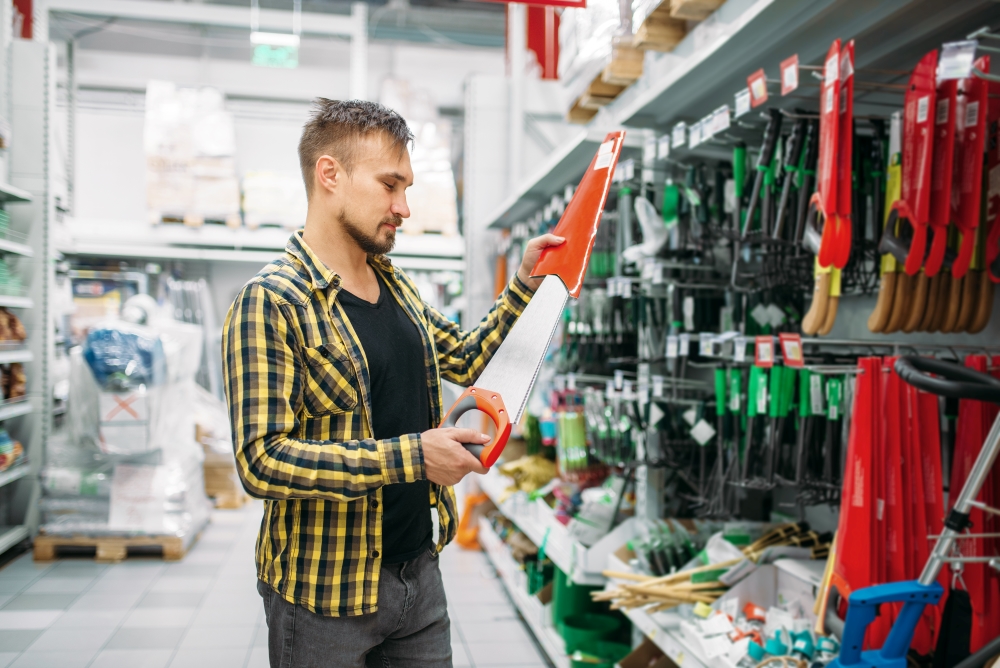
{"type": "Point", "coordinates": [411, 627]}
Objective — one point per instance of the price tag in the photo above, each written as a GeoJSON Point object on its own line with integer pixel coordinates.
{"type": "Point", "coordinates": [740, 349]}
{"type": "Point", "coordinates": [571, 382]}
{"type": "Point", "coordinates": [764, 353]}
{"type": "Point", "coordinates": [619, 379]}
{"type": "Point", "coordinates": [834, 392]}
{"type": "Point", "coordinates": [791, 349]}
{"type": "Point", "coordinates": [762, 397]}
{"type": "Point", "coordinates": [672, 347]}
{"type": "Point", "coordinates": [775, 315]}
{"type": "Point", "coordinates": [705, 342]}
{"type": "Point", "coordinates": [657, 386]}
{"type": "Point", "coordinates": [649, 151]}
{"type": "Point", "coordinates": [694, 135]}
{"type": "Point", "coordinates": [720, 119]}
{"type": "Point", "coordinates": [789, 74]}
{"type": "Point", "coordinates": [734, 391]}
{"type": "Point", "coordinates": [609, 389]}
{"type": "Point", "coordinates": [956, 59]}
{"type": "Point", "coordinates": [741, 102]}
{"type": "Point", "coordinates": [628, 169]}
{"type": "Point", "coordinates": [560, 383]}
{"type": "Point", "coordinates": [627, 387]}
{"type": "Point", "coordinates": [643, 393]}
{"type": "Point", "coordinates": [687, 307]}
{"type": "Point", "coordinates": [757, 83]}
{"type": "Point", "coordinates": [684, 345]}
{"type": "Point", "coordinates": [626, 288]}
{"type": "Point", "coordinates": [816, 394]}
{"type": "Point", "coordinates": [690, 416]}
{"type": "Point", "coordinates": [678, 136]}
{"type": "Point", "coordinates": [663, 147]}
{"type": "Point", "coordinates": [702, 432]}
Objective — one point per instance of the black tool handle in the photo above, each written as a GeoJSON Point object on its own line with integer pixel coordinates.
{"type": "Point", "coordinates": [951, 379]}
{"type": "Point", "coordinates": [771, 134]}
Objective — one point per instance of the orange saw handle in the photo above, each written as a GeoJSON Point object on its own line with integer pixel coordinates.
{"type": "Point", "coordinates": [477, 398]}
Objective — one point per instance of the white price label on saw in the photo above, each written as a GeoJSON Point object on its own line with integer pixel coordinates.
{"type": "Point", "coordinates": [740, 349]}
{"type": "Point", "coordinates": [684, 345]}
{"type": "Point", "coordinates": [672, 347]}
{"type": "Point", "coordinates": [741, 102]}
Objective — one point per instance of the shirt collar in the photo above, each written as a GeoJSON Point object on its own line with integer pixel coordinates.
{"type": "Point", "coordinates": [320, 274]}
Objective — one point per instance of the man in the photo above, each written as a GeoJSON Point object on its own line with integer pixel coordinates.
{"type": "Point", "coordinates": [334, 367]}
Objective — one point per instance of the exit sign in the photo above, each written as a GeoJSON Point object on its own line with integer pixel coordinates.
{"type": "Point", "coordinates": [270, 55]}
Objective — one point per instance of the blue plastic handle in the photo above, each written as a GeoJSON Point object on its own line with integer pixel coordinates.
{"type": "Point", "coordinates": [861, 610]}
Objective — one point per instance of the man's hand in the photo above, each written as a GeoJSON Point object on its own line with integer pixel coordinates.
{"type": "Point", "coordinates": [531, 253]}
{"type": "Point", "coordinates": [446, 460]}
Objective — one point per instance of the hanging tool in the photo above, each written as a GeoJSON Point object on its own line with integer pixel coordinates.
{"type": "Point", "coordinates": [793, 151]}
{"type": "Point", "coordinates": [913, 206]}
{"type": "Point", "coordinates": [823, 205]}
{"type": "Point", "coordinates": [806, 178]}
{"type": "Point", "coordinates": [835, 247]}
{"type": "Point", "coordinates": [503, 388]}
{"type": "Point", "coordinates": [771, 133]}
{"type": "Point", "coordinates": [966, 203]}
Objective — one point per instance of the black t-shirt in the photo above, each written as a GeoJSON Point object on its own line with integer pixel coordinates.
{"type": "Point", "coordinates": [400, 405]}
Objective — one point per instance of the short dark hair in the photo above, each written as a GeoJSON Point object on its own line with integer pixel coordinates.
{"type": "Point", "coordinates": [335, 126]}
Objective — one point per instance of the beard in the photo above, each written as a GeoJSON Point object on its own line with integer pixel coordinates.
{"type": "Point", "coordinates": [372, 244]}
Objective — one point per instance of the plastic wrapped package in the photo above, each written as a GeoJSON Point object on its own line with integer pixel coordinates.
{"type": "Point", "coordinates": [129, 463]}
{"type": "Point", "coordinates": [585, 40]}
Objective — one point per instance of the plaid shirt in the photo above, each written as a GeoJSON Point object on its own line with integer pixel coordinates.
{"type": "Point", "coordinates": [299, 400]}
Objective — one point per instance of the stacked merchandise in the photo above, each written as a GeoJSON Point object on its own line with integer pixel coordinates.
{"type": "Point", "coordinates": [190, 144]}
{"type": "Point", "coordinates": [11, 451]}
{"type": "Point", "coordinates": [129, 464]}
{"type": "Point", "coordinates": [213, 433]}
{"type": "Point", "coordinates": [273, 199]}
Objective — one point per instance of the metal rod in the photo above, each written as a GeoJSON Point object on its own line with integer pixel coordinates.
{"type": "Point", "coordinates": [983, 507]}
{"type": "Point", "coordinates": [984, 462]}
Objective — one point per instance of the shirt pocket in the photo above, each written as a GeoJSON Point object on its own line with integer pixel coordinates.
{"type": "Point", "coordinates": [330, 381]}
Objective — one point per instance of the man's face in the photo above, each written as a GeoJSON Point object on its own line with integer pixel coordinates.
{"type": "Point", "coordinates": [371, 203]}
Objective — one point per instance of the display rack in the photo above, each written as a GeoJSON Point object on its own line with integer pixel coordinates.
{"type": "Point", "coordinates": [534, 613]}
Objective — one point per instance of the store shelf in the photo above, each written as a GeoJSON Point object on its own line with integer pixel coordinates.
{"type": "Point", "coordinates": [15, 409]}
{"type": "Point", "coordinates": [13, 301]}
{"type": "Point", "coordinates": [563, 167]}
{"type": "Point", "coordinates": [9, 193]}
{"type": "Point", "coordinates": [11, 536]}
{"type": "Point", "coordinates": [11, 355]}
{"type": "Point", "coordinates": [537, 520]}
{"type": "Point", "coordinates": [222, 244]}
{"type": "Point", "coordinates": [12, 474]}
{"type": "Point", "coordinates": [663, 629]}
{"type": "Point", "coordinates": [534, 613]}
{"type": "Point", "coordinates": [15, 248]}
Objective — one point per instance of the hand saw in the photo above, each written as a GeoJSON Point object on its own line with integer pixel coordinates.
{"type": "Point", "coordinates": [501, 392]}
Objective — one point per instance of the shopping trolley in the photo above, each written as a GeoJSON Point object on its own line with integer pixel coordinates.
{"type": "Point", "coordinates": [957, 382]}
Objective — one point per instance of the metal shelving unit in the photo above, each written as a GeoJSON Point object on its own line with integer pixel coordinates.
{"type": "Point", "coordinates": [14, 473]}
{"type": "Point", "coordinates": [9, 193]}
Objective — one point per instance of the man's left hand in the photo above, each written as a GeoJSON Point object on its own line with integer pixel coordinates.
{"type": "Point", "coordinates": [531, 253]}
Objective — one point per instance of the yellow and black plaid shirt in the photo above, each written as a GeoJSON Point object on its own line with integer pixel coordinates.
{"type": "Point", "coordinates": [298, 389]}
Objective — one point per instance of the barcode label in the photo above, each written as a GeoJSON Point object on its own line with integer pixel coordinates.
{"type": "Point", "coordinates": [942, 111]}
{"type": "Point", "coordinates": [923, 108]}
{"type": "Point", "coordinates": [971, 114]}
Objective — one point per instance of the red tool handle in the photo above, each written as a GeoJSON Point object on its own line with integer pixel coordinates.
{"type": "Point", "coordinates": [477, 398]}
{"type": "Point", "coordinates": [845, 144]}
{"type": "Point", "coordinates": [826, 167]}
{"type": "Point", "coordinates": [993, 192]}
{"type": "Point", "coordinates": [581, 219]}
{"type": "Point", "coordinates": [918, 144]}
{"type": "Point", "coordinates": [941, 173]}
{"type": "Point", "coordinates": [966, 202]}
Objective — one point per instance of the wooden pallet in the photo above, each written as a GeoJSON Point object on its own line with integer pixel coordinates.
{"type": "Point", "coordinates": [109, 549]}
{"type": "Point", "coordinates": [578, 114]}
{"type": "Point", "coordinates": [626, 63]}
{"type": "Point", "coordinates": [694, 10]}
{"type": "Point", "coordinates": [660, 31]}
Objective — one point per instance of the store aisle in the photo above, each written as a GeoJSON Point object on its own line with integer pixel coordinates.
{"type": "Point", "coordinates": [204, 611]}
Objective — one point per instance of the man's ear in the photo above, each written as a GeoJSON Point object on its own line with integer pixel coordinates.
{"type": "Point", "coordinates": [328, 174]}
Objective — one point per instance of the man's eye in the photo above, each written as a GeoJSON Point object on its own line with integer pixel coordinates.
{"type": "Point", "coordinates": [388, 185]}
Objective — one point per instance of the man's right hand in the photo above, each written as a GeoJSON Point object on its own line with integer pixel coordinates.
{"type": "Point", "coordinates": [446, 460]}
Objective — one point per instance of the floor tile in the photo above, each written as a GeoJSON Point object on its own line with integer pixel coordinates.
{"type": "Point", "coordinates": [91, 601]}
{"type": "Point", "coordinates": [258, 658]}
{"type": "Point", "coordinates": [260, 636]}
{"type": "Point", "coordinates": [180, 585]}
{"type": "Point", "coordinates": [142, 571]}
{"type": "Point", "coordinates": [209, 658]}
{"type": "Point", "coordinates": [161, 599]}
{"type": "Point", "coordinates": [55, 659]}
{"type": "Point", "coordinates": [59, 639]}
{"type": "Point", "coordinates": [72, 619]}
{"type": "Point", "coordinates": [17, 640]}
{"type": "Point", "coordinates": [503, 654]}
{"type": "Point", "coordinates": [69, 568]}
{"type": "Point", "coordinates": [159, 617]}
{"type": "Point", "coordinates": [183, 569]}
{"type": "Point", "coordinates": [28, 619]}
{"type": "Point", "coordinates": [231, 600]}
{"type": "Point", "coordinates": [467, 612]}
{"type": "Point", "coordinates": [217, 637]}
{"type": "Point", "coordinates": [40, 602]}
{"type": "Point", "coordinates": [459, 657]}
{"type": "Point", "coordinates": [511, 630]}
{"type": "Point", "coordinates": [59, 585]}
{"type": "Point", "coordinates": [147, 638]}
{"type": "Point", "coordinates": [132, 658]}
{"type": "Point", "coordinates": [244, 615]}
{"type": "Point", "coordinates": [206, 557]}
{"type": "Point", "coordinates": [15, 585]}
{"type": "Point", "coordinates": [131, 587]}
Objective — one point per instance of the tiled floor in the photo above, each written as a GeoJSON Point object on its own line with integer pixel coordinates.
{"type": "Point", "coordinates": [204, 612]}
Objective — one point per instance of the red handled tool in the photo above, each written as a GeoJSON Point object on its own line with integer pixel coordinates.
{"type": "Point", "coordinates": [966, 203]}
{"type": "Point", "coordinates": [503, 388]}
{"type": "Point", "coordinates": [825, 199]}
{"type": "Point", "coordinates": [941, 173]}
{"type": "Point", "coordinates": [840, 239]}
{"type": "Point", "coordinates": [913, 206]}
{"type": "Point", "coordinates": [993, 191]}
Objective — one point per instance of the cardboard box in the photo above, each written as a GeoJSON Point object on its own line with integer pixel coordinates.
{"type": "Point", "coordinates": [646, 655]}
{"type": "Point", "coordinates": [124, 421]}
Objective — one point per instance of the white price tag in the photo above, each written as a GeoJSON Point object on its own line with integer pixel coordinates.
{"type": "Point", "coordinates": [684, 345]}
{"type": "Point", "coordinates": [571, 382]}
{"type": "Point", "coordinates": [663, 147]}
{"type": "Point", "coordinates": [765, 350]}
{"type": "Point", "coordinates": [923, 108]}
{"type": "Point", "coordinates": [741, 102]}
{"type": "Point", "coordinates": [971, 114]}
{"type": "Point", "coordinates": [705, 342]}
{"type": "Point", "coordinates": [657, 386]}
{"type": "Point", "coordinates": [702, 432]}
{"type": "Point", "coordinates": [831, 71]}
{"type": "Point", "coordinates": [619, 379]}
{"type": "Point", "coordinates": [694, 135]}
{"type": "Point", "coordinates": [720, 119]}
{"type": "Point", "coordinates": [626, 288]}
{"type": "Point", "coordinates": [609, 389]}
{"type": "Point", "coordinates": [690, 415]}
{"type": "Point", "coordinates": [678, 136]}
{"type": "Point", "coordinates": [956, 60]}
{"type": "Point", "coordinates": [740, 349]}
{"type": "Point", "coordinates": [560, 383]}
{"type": "Point", "coordinates": [603, 161]}
{"type": "Point", "coordinates": [628, 169]}
{"type": "Point", "coordinates": [627, 389]}
{"type": "Point", "coordinates": [688, 308]}
{"type": "Point", "coordinates": [649, 151]}
{"type": "Point", "coordinates": [672, 347]}
{"type": "Point", "coordinates": [762, 398]}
